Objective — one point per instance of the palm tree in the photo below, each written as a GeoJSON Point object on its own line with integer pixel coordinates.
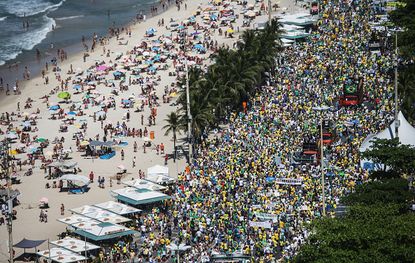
{"type": "Point", "coordinates": [173, 126]}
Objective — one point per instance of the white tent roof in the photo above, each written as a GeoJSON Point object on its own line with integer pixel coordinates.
{"type": "Point", "coordinates": [144, 184]}
{"type": "Point", "coordinates": [158, 170]}
{"type": "Point", "coordinates": [74, 219]}
{"type": "Point", "coordinates": [61, 255]}
{"type": "Point", "coordinates": [160, 178]}
{"type": "Point", "coordinates": [100, 229]}
{"type": "Point", "coordinates": [138, 196]}
{"type": "Point", "coordinates": [406, 133]}
{"type": "Point", "coordinates": [100, 214]}
{"type": "Point", "coordinates": [74, 244]}
{"type": "Point", "coordinates": [75, 177]}
{"type": "Point", "coordinates": [86, 209]}
{"type": "Point", "coordinates": [118, 208]}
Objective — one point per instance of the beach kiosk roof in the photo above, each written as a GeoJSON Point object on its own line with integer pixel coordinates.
{"type": "Point", "coordinates": [64, 164]}
{"type": "Point", "coordinates": [135, 196]}
{"type": "Point", "coordinates": [73, 219]}
{"type": "Point", "coordinates": [118, 208]}
{"type": "Point", "coordinates": [144, 184]}
{"type": "Point", "coordinates": [26, 243]}
{"type": "Point", "coordinates": [99, 214]}
{"type": "Point", "coordinates": [61, 255]}
{"type": "Point", "coordinates": [74, 244]}
{"type": "Point", "coordinates": [102, 231]}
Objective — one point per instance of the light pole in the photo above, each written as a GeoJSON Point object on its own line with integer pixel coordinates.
{"type": "Point", "coordinates": [269, 12]}
{"type": "Point", "coordinates": [323, 188]}
{"type": "Point", "coordinates": [189, 115]}
{"type": "Point", "coordinates": [6, 173]}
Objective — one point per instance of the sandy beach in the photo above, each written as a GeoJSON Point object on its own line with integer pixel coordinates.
{"type": "Point", "coordinates": [32, 188]}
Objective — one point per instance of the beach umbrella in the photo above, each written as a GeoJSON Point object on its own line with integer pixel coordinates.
{"type": "Point", "coordinates": [13, 152]}
{"type": "Point", "coordinates": [11, 135]}
{"type": "Point", "coordinates": [40, 139]}
{"type": "Point", "coordinates": [71, 113]}
{"type": "Point", "coordinates": [32, 149]}
{"type": "Point", "coordinates": [84, 143]}
{"type": "Point", "coordinates": [44, 200]}
{"type": "Point", "coordinates": [25, 113]}
{"type": "Point", "coordinates": [121, 167]}
{"type": "Point", "coordinates": [54, 107]}
{"type": "Point", "coordinates": [64, 95]}
{"type": "Point", "coordinates": [26, 124]}
{"type": "Point", "coordinates": [230, 31]}
{"type": "Point", "coordinates": [77, 87]}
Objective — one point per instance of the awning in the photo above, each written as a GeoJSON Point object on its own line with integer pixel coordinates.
{"type": "Point", "coordinates": [61, 255]}
{"type": "Point", "coordinates": [118, 208]}
{"type": "Point", "coordinates": [103, 231]}
{"type": "Point", "coordinates": [26, 243]}
{"type": "Point", "coordinates": [135, 196]}
{"type": "Point", "coordinates": [74, 244]}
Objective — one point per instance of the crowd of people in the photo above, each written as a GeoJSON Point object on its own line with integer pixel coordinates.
{"type": "Point", "coordinates": [230, 200]}
{"type": "Point", "coordinates": [231, 186]}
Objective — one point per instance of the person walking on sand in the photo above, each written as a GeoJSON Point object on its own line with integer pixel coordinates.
{"type": "Point", "coordinates": [91, 176]}
{"type": "Point", "coordinates": [62, 210]}
{"type": "Point", "coordinates": [135, 146]}
{"type": "Point", "coordinates": [122, 155]}
{"type": "Point", "coordinates": [134, 159]}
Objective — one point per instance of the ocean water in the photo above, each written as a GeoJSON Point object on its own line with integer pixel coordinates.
{"type": "Point", "coordinates": [71, 19]}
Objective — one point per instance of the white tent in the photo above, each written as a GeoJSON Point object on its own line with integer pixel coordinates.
{"type": "Point", "coordinates": [144, 184]}
{"type": "Point", "coordinates": [135, 196]}
{"type": "Point", "coordinates": [74, 244]}
{"type": "Point", "coordinates": [118, 208]}
{"type": "Point", "coordinates": [61, 255]}
{"type": "Point", "coordinates": [405, 130]}
{"type": "Point", "coordinates": [158, 170]}
{"type": "Point", "coordinates": [406, 136]}
{"type": "Point", "coordinates": [99, 214]}
{"type": "Point", "coordinates": [75, 178]}
{"type": "Point", "coordinates": [159, 174]}
{"type": "Point", "coordinates": [98, 231]}
{"type": "Point", "coordinates": [74, 219]}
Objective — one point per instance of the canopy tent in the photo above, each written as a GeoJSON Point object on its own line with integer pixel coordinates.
{"type": "Point", "coordinates": [118, 208]}
{"type": "Point", "coordinates": [75, 178]}
{"type": "Point", "coordinates": [61, 255]}
{"type": "Point", "coordinates": [100, 214]}
{"type": "Point", "coordinates": [159, 174]}
{"type": "Point", "coordinates": [406, 136]}
{"type": "Point", "coordinates": [63, 164]}
{"type": "Point", "coordinates": [26, 243]}
{"type": "Point", "coordinates": [102, 231]}
{"type": "Point", "coordinates": [74, 244]}
{"type": "Point", "coordinates": [158, 169]}
{"type": "Point", "coordinates": [135, 196]}
{"type": "Point", "coordinates": [73, 219]}
{"type": "Point", "coordinates": [405, 130]}
{"type": "Point", "coordinates": [144, 184]}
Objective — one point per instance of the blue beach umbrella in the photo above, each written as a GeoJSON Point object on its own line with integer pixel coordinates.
{"type": "Point", "coordinates": [54, 107]}
{"type": "Point", "coordinates": [71, 113]}
{"type": "Point", "coordinates": [77, 87]}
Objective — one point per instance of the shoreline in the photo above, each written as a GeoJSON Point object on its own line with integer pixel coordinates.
{"type": "Point", "coordinates": [36, 66]}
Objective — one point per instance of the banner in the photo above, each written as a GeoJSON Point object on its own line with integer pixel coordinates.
{"type": "Point", "coordinates": [289, 181]}
{"type": "Point", "coordinates": [260, 224]}
{"type": "Point", "coordinates": [265, 216]}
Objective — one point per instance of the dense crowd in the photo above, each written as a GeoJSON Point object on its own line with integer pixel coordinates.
{"type": "Point", "coordinates": [229, 184]}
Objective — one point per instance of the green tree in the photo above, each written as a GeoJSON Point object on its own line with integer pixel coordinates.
{"type": "Point", "coordinates": [400, 159]}
{"type": "Point", "coordinates": [378, 227]}
{"type": "Point", "coordinates": [173, 126]}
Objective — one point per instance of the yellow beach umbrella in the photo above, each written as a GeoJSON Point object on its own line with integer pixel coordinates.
{"type": "Point", "coordinates": [13, 152]}
{"type": "Point", "coordinates": [84, 143]}
{"type": "Point", "coordinates": [230, 31]}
